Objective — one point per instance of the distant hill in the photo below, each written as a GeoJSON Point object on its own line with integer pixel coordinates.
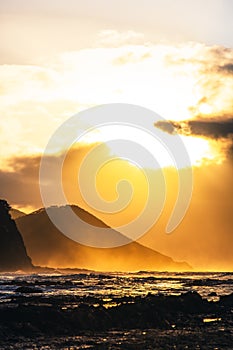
{"type": "Point", "coordinates": [15, 213]}
{"type": "Point", "coordinates": [13, 254]}
{"type": "Point", "coordinates": [47, 246]}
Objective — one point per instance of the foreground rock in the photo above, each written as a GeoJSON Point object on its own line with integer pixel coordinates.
{"type": "Point", "coordinates": [42, 315]}
{"type": "Point", "coordinates": [13, 254]}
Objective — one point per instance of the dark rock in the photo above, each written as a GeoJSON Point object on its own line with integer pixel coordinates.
{"type": "Point", "coordinates": [25, 289]}
{"type": "Point", "coordinates": [39, 314]}
{"type": "Point", "coordinates": [13, 255]}
{"type": "Point", "coordinates": [227, 300]}
{"type": "Point", "coordinates": [212, 294]}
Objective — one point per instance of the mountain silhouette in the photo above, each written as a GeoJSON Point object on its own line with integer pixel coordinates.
{"type": "Point", "coordinates": [15, 213]}
{"type": "Point", "coordinates": [47, 246]}
{"type": "Point", "coordinates": [13, 254]}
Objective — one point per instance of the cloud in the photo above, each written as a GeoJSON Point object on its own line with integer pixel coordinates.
{"type": "Point", "coordinates": [166, 126]}
{"type": "Point", "coordinates": [131, 57]}
{"type": "Point", "coordinates": [227, 68]}
{"type": "Point", "coordinates": [211, 128]}
{"type": "Point", "coordinates": [19, 182]}
{"type": "Point", "coordinates": [179, 82]}
{"type": "Point", "coordinates": [230, 151]}
{"type": "Point", "coordinates": [211, 67]}
{"type": "Point", "coordinates": [219, 132]}
{"type": "Point", "coordinates": [214, 129]}
{"type": "Point", "coordinates": [111, 37]}
{"type": "Point", "coordinates": [19, 177]}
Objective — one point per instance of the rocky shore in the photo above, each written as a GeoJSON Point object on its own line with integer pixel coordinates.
{"type": "Point", "coordinates": [30, 314]}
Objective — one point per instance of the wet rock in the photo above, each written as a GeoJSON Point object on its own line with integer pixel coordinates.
{"type": "Point", "coordinates": [192, 302]}
{"type": "Point", "coordinates": [227, 300]}
{"type": "Point", "coordinates": [69, 315]}
{"type": "Point", "coordinates": [28, 289]}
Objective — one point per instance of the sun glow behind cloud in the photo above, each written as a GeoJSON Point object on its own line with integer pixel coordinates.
{"type": "Point", "coordinates": [200, 150]}
{"type": "Point", "coordinates": [176, 81]}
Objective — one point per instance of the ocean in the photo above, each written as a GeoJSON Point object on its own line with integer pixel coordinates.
{"type": "Point", "coordinates": [93, 310]}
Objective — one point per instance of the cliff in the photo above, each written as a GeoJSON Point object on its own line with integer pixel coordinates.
{"type": "Point", "coordinates": [13, 254]}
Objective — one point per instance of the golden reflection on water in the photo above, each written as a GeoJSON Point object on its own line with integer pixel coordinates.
{"type": "Point", "coordinates": [208, 320]}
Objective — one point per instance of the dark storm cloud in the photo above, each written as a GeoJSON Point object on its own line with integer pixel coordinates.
{"type": "Point", "coordinates": [220, 130]}
{"type": "Point", "coordinates": [226, 68]}
{"type": "Point", "coordinates": [166, 126]}
{"type": "Point", "coordinates": [211, 128]}
{"type": "Point", "coordinates": [20, 184]}
{"type": "Point", "coordinates": [214, 129]}
{"type": "Point", "coordinates": [230, 151]}
{"type": "Point", "coordinates": [19, 180]}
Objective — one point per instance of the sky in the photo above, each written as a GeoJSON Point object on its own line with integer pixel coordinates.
{"type": "Point", "coordinates": [174, 57]}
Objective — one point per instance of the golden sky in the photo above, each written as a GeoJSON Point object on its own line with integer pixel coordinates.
{"type": "Point", "coordinates": [173, 57]}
